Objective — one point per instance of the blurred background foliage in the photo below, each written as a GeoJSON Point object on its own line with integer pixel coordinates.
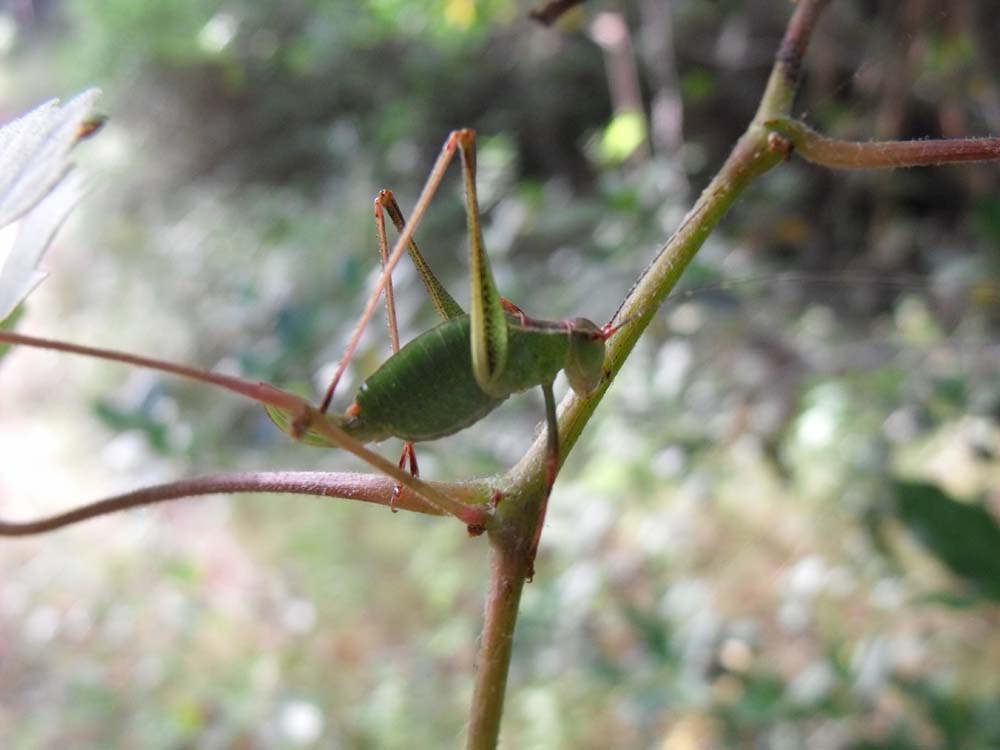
{"type": "Point", "coordinates": [780, 530]}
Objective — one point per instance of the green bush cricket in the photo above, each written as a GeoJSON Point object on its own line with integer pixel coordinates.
{"type": "Point", "coordinates": [439, 383]}
{"type": "Point", "coordinates": [459, 371]}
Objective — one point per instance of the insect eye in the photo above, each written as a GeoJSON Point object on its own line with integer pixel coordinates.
{"type": "Point", "coordinates": [585, 362]}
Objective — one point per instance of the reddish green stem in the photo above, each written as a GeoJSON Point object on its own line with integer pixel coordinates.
{"type": "Point", "coordinates": [836, 154]}
{"type": "Point", "coordinates": [472, 515]}
{"type": "Point", "coordinates": [508, 571]}
{"type": "Point", "coordinates": [522, 509]}
{"type": "Point", "coordinates": [369, 488]}
{"type": "Point", "coordinates": [260, 392]}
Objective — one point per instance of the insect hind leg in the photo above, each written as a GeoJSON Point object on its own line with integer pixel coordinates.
{"type": "Point", "coordinates": [443, 302]}
{"type": "Point", "coordinates": [385, 201]}
{"type": "Point", "coordinates": [390, 302]}
{"type": "Point", "coordinates": [407, 460]}
{"type": "Point", "coordinates": [451, 145]}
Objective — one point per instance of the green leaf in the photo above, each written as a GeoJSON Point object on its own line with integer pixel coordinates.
{"type": "Point", "coordinates": [623, 135]}
{"type": "Point", "coordinates": [120, 420]}
{"type": "Point", "coordinates": [963, 536]}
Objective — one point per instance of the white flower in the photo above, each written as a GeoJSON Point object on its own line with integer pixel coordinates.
{"type": "Point", "coordinates": [38, 188]}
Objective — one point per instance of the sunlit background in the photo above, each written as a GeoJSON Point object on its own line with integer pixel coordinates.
{"type": "Point", "coordinates": [729, 558]}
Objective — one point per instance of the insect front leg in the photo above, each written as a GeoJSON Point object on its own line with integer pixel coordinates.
{"type": "Point", "coordinates": [551, 469]}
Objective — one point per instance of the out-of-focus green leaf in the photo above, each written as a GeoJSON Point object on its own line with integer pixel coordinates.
{"type": "Point", "coordinates": [761, 702]}
{"type": "Point", "coordinates": [962, 721]}
{"type": "Point", "coordinates": [950, 599]}
{"type": "Point", "coordinates": [987, 218]}
{"type": "Point", "coordinates": [121, 419]}
{"type": "Point", "coordinates": [964, 537]}
{"type": "Point", "coordinates": [623, 135]}
{"type": "Point", "coordinates": [698, 85]}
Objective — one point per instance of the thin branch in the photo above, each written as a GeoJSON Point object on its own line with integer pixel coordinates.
{"type": "Point", "coordinates": [521, 510]}
{"type": "Point", "coordinates": [260, 392]}
{"type": "Point", "coordinates": [473, 515]}
{"type": "Point", "coordinates": [305, 418]}
{"type": "Point", "coordinates": [836, 154]}
{"type": "Point", "coordinates": [369, 488]}
{"type": "Point", "coordinates": [783, 83]}
{"type": "Point", "coordinates": [508, 573]}
{"type": "Point", "coordinates": [754, 154]}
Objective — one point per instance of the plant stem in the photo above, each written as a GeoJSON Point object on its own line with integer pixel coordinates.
{"type": "Point", "coordinates": [371, 488]}
{"type": "Point", "coordinates": [754, 154]}
{"type": "Point", "coordinates": [472, 515]}
{"type": "Point", "coordinates": [260, 392]}
{"type": "Point", "coordinates": [508, 571]}
{"type": "Point", "coordinates": [521, 512]}
{"type": "Point", "coordinates": [783, 83]}
{"type": "Point", "coordinates": [836, 154]}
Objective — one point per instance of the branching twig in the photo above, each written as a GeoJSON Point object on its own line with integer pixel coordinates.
{"type": "Point", "coordinates": [515, 521]}
{"type": "Point", "coordinates": [306, 418]}
{"type": "Point", "coordinates": [753, 155]}
{"type": "Point", "coordinates": [369, 488]}
{"type": "Point", "coordinates": [260, 392]}
{"type": "Point", "coordinates": [836, 154]}
{"type": "Point", "coordinates": [475, 516]}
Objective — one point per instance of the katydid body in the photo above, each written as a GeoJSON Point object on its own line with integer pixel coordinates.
{"type": "Point", "coordinates": [458, 372]}
{"type": "Point", "coordinates": [429, 389]}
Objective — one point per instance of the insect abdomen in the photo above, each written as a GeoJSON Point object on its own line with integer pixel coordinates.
{"type": "Point", "coordinates": [428, 389]}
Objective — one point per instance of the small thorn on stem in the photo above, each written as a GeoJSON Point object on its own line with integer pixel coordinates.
{"type": "Point", "coordinates": [779, 144]}
{"type": "Point", "coordinates": [495, 499]}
